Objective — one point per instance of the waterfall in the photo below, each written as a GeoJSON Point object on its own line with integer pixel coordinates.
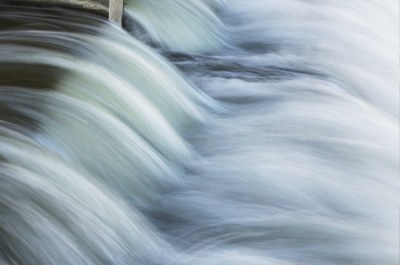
{"type": "Point", "coordinates": [185, 26]}
{"type": "Point", "coordinates": [206, 132]}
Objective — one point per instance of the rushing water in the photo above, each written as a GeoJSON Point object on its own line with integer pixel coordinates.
{"type": "Point", "coordinates": [256, 132]}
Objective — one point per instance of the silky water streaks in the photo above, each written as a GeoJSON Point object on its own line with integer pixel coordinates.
{"type": "Point", "coordinates": [91, 124]}
{"type": "Point", "coordinates": [257, 132]}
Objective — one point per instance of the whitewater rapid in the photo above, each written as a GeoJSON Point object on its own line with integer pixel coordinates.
{"type": "Point", "coordinates": [257, 132]}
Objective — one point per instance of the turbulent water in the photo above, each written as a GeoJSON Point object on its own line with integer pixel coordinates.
{"type": "Point", "coordinates": [257, 132]}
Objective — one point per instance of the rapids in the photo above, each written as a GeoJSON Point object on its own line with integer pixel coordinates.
{"type": "Point", "coordinates": [206, 132]}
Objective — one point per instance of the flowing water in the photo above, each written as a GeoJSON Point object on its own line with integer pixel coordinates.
{"type": "Point", "coordinates": [257, 132]}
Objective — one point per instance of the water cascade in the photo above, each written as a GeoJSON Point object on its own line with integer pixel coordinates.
{"type": "Point", "coordinates": [205, 132]}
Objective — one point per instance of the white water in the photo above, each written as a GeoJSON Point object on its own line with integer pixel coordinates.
{"type": "Point", "coordinates": [121, 160]}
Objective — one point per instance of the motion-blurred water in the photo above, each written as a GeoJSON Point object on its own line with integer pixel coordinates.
{"type": "Point", "coordinates": [257, 132]}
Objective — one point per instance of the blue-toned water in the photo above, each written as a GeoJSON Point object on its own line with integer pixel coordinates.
{"type": "Point", "coordinates": [206, 132]}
